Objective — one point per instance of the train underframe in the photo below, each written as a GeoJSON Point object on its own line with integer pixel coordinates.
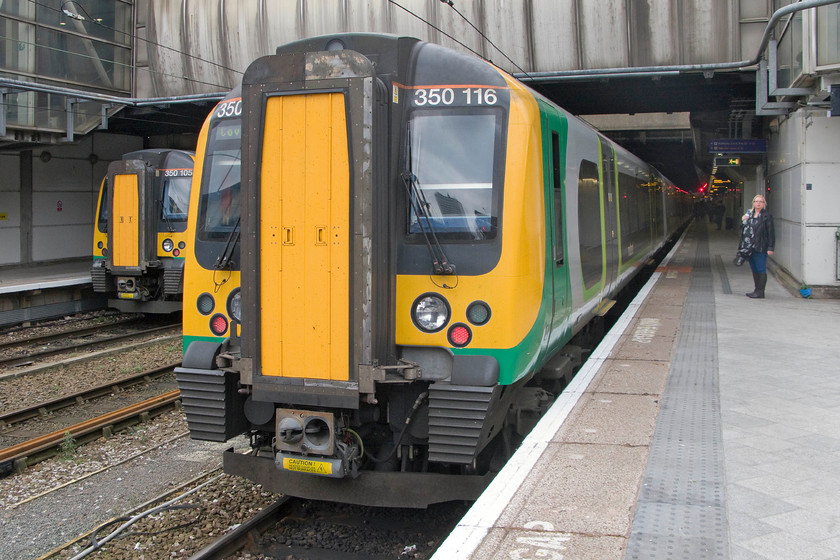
{"type": "Point", "coordinates": [157, 289]}
{"type": "Point", "coordinates": [413, 444]}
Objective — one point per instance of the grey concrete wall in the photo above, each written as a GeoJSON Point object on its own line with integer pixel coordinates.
{"type": "Point", "coordinates": [48, 197]}
{"type": "Point", "coordinates": [222, 37]}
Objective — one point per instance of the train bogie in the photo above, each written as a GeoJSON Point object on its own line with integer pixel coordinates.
{"type": "Point", "coordinates": [422, 236]}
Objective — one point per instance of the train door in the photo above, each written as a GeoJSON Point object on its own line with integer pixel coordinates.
{"type": "Point", "coordinates": [557, 133]}
{"type": "Point", "coordinates": [610, 201]}
{"type": "Point", "coordinates": [305, 237]}
{"type": "Point", "coordinates": [132, 243]}
{"type": "Point", "coordinates": [126, 232]}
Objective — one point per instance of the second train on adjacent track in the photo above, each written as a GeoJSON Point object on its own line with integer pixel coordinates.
{"type": "Point", "coordinates": [421, 237]}
{"type": "Point", "coordinates": [139, 238]}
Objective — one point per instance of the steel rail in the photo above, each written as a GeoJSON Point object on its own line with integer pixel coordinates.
{"type": "Point", "coordinates": [43, 446]}
{"type": "Point", "coordinates": [236, 539]}
{"type": "Point", "coordinates": [42, 408]}
{"type": "Point", "coordinates": [53, 336]}
{"type": "Point", "coordinates": [17, 360]}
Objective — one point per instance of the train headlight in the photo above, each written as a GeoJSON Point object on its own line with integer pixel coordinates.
{"type": "Point", "coordinates": [234, 305]}
{"type": "Point", "coordinates": [168, 245]}
{"type": "Point", "coordinates": [430, 312]}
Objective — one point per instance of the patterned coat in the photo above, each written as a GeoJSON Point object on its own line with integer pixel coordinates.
{"type": "Point", "coordinates": [758, 232]}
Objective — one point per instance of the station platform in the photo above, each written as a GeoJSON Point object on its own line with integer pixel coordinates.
{"type": "Point", "coordinates": [42, 291]}
{"type": "Point", "coordinates": [706, 425]}
{"type": "Point", "coordinates": [43, 276]}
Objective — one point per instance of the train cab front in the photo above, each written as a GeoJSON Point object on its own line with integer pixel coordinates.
{"type": "Point", "coordinates": [140, 237]}
{"type": "Point", "coordinates": [373, 173]}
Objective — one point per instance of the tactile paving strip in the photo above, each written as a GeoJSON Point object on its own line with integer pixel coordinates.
{"type": "Point", "coordinates": [681, 512]}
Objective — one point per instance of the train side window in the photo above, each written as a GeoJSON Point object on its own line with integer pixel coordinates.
{"type": "Point", "coordinates": [589, 223]}
{"type": "Point", "coordinates": [559, 256]}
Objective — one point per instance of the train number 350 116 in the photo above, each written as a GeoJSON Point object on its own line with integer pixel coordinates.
{"type": "Point", "coordinates": [449, 96]}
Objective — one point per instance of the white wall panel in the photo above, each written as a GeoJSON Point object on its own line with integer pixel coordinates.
{"type": "Point", "coordinates": [785, 197]}
{"type": "Point", "coordinates": [9, 245]}
{"type": "Point", "coordinates": [61, 242]}
{"type": "Point", "coordinates": [10, 207]}
{"type": "Point", "coordinates": [822, 201]}
{"type": "Point", "coordinates": [820, 256]}
{"type": "Point", "coordinates": [62, 208]}
{"type": "Point", "coordinates": [788, 252]}
{"type": "Point", "coordinates": [245, 34]}
{"type": "Point", "coordinates": [166, 63]}
{"type": "Point", "coordinates": [61, 175]}
{"type": "Point", "coordinates": [785, 148]}
{"type": "Point", "coordinates": [202, 33]}
{"type": "Point", "coordinates": [282, 20]}
{"type": "Point", "coordinates": [822, 142]}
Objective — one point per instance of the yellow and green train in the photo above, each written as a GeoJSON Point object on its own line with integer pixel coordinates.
{"type": "Point", "coordinates": [211, 288]}
{"type": "Point", "coordinates": [140, 235]}
{"type": "Point", "coordinates": [421, 236]}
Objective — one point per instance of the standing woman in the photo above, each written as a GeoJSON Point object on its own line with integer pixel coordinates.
{"type": "Point", "coordinates": [757, 231]}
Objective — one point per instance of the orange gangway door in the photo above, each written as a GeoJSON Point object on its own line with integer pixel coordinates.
{"type": "Point", "coordinates": [126, 219]}
{"type": "Point", "coordinates": [305, 238]}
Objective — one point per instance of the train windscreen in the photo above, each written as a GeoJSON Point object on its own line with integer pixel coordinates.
{"type": "Point", "coordinates": [220, 182]}
{"type": "Point", "coordinates": [452, 160]}
{"type": "Point", "coordinates": [176, 180]}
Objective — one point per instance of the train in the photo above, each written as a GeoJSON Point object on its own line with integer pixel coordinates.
{"type": "Point", "coordinates": [421, 240]}
{"type": "Point", "coordinates": [212, 267]}
{"type": "Point", "coordinates": [140, 232]}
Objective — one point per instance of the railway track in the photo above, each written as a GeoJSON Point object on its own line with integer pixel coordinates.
{"type": "Point", "coordinates": [55, 335]}
{"type": "Point", "coordinates": [187, 518]}
{"type": "Point", "coordinates": [28, 358]}
{"type": "Point", "coordinates": [19, 457]}
{"type": "Point", "coordinates": [41, 409]}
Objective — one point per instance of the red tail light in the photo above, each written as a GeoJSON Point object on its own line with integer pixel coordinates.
{"type": "Point", "coordinates": [459, 335]}
{"type": "Point", "coordinates": [218, 324]}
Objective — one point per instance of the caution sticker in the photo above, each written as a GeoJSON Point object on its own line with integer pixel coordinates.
{"type": "Point", "coordinates": [307, 466]}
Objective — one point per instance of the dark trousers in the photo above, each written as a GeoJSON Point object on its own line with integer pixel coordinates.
{"type": "Point", "coordinates": [758, 262]}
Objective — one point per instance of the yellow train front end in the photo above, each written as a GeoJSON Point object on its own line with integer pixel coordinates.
{"type": "Point", "coordinates": [409, 271]}
{"type": "Point", "coordinates": [140, 234]}
{"type": "Point", "coordinates": [393, 266]}
{"type": "Point", "coordinates": [211, 290]}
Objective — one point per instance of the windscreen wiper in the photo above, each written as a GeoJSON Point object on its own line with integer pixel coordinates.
{"type": "Point", "coordinates": [224, 259]}
{"type": "Point", "coordinates": [165, 217]}
{"type": "Point", "coordinates": [440, 262]}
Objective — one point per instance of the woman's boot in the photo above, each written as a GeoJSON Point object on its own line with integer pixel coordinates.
{"type": "Point", "coordinates": [760, 283]}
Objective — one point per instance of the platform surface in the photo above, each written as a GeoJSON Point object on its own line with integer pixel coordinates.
{"type": "Point", "coordinates": [705, 425]}
{"type": "Point", "coordinates": [41, 276]}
